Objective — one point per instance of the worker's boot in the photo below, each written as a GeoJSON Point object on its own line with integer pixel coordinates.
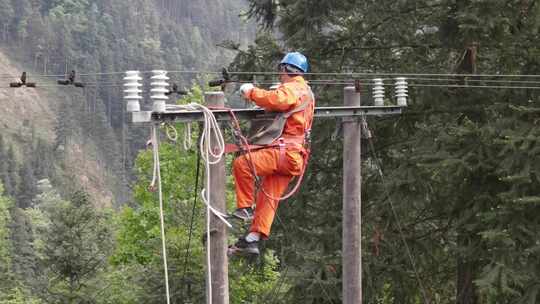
{"type": "Point", "coordinates": [243, 247]}
{"type": "Point", "coordinates": [245, 214]}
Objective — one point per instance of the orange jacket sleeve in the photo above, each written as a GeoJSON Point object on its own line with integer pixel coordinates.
{"type": "Point", "coordinates": [280, 99]}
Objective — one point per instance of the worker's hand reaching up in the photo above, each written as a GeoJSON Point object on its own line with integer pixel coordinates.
{"type": "Point", "coordinates": [245, 89]}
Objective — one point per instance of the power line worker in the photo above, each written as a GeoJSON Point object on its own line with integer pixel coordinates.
{"type": "Point", "coordinates": [283, 155]}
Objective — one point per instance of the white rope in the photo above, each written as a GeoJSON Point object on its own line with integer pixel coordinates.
{"type": "Point", "coordinates": [187, 137]}
{"type": "Point", "coordinates": [157, 174]}
{"type": "Point", "coordinates": [211, 136]}
{"type": "Point", "coordinates": [211, 132]}
{"type": "Point", "coordinates": [171, 132]}
{"type": "Point", "coordinates": [172, 135]}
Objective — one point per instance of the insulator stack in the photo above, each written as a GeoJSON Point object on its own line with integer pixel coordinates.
{"type": "Point", "coordinates": [378, 92]}
{"type": "Point", "coordinates": [159, 89]}
{"type": "Point", "coordinates": [401, 91]}
{"type": "Point", "coordinates": [132, 91]}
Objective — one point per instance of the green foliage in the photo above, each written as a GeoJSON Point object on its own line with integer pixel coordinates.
{"type": "Point", "coordinates": [138, 239]}
{"type": "Point", "coordinates": [254, 283]}
{"type": "Point", "coordinates": [460, 163]}
{"type": "Point", "coordinates": [6, 13]}
{"type": "Point", "coordinates": [76, 246]}
{"type": "Point", "coordinates": [8, 170]}
{"type": "Point", "coordinates": [104, 36]}
{"type": "Point", "coordinates": [5, 243]}
{"type": "Point", "coordinates": [18, 296]}
{"type": "Point", "coordinates": [27, 187]}
{"type": "Point", "coordinates": [25, 270]}
{"type": "Point", "coordinates": [139, 235]}
{"type": "Point", "coordinates": [59, 248]}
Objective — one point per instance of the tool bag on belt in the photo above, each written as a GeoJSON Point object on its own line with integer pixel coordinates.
{"type": "Point", "coordinates": [269, 132]}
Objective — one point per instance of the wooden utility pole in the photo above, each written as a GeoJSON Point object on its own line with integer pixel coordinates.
{"type": "Point", "coordinates": [351, 114]}
{"type": "Point", "coordinates": [352, 179]}
{"type": "Point", "coordinates": [218, 230]}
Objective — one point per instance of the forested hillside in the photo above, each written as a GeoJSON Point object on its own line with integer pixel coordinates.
{"type": "Point", "coordinates": [450, 197]}
{"type": "Point", "coordinates": [460, 166]}
{"type": "Point", "coordinates": [46, 135]}
{"type": "Point", "coordinates": [99, 40]}
{"type": "Point", "coordinates": [65, 149]}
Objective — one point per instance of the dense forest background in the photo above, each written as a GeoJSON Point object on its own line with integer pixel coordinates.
{"type": "Point", "coordinates": [102, 39]}
{"type": "Point", "coordinates": [450, 188]}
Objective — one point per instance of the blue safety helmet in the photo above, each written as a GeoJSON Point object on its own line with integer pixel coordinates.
{"type": "Point", "coordinates": [296, 60]}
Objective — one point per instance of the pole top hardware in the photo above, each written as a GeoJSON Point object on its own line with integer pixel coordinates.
{"type": "Point", "coordinates": [22, 82]}
{"type": "Point", "coordinates": [226, 78]}
{"type": "Point", "coordinates": [71, 80]}
{"type": "Point", "coordinates": [175, 90]}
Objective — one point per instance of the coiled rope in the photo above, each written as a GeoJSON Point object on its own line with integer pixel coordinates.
{"type": "Point", "coordinates": [212, 148]}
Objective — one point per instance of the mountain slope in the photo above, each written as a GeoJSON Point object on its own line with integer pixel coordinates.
{"type": "Point", "coordinates": [30, 115]}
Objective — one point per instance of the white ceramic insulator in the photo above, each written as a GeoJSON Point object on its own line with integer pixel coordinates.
{"type": "Point", "coordinates": [378, 92]}
{"type": "Point", "coordinates": [159, 88]}
{"type": "Point", "coordinates": [401, 91]}
{"type": "Point", "coordinates": [132, 91]}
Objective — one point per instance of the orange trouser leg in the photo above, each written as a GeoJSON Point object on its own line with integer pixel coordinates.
{"type": "Point", "coordinates": [265, 163]}
{"type": "Point", "coordinates": [274, 185]}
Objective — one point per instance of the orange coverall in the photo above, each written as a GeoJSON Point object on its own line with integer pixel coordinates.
{"type": "Point", "coordinates": [276, 176]}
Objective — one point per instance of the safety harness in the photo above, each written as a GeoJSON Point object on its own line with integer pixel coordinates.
{"type": "Point", "coordinates": [271, 135]}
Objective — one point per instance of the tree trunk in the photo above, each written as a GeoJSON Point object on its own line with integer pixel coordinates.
{"type": "Point", "coordinates": [465, 289]}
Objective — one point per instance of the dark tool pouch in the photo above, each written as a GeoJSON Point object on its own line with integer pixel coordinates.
{"type": "Point", "coordinates": [268, 131]}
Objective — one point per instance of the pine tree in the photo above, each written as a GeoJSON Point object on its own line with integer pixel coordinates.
{"type": "Point", "coordinates": [12, 173]}
{"type": "Point", "coordinates": [76, 248]}
{"type": "Point", "coordinates": [6, 16]}
{"type": "Point", "coordinates": [23, 254]}
{"type": "Point", "coordinates": [27, 188]}
{"type": "Point", "coordinates": [4, 174]}
{"type": "Point", "coordinates": [6, 274]}
{"type": "Point", "coordinates": [42, 161]}
{"type": "Point", "coordinates": [457, 162]}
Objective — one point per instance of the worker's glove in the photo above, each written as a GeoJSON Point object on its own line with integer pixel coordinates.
{"type": "Point", "coordinates": [245, 89]}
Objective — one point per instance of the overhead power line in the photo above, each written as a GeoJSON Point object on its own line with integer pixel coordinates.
{"type": "Point", "coordinates": [340, 83]}
{"type": "Point", "coordinates": [339, 74]}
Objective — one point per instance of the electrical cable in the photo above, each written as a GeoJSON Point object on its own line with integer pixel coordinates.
{"type": "Point", "coordinates": [191, 220]}
{"type": "Point", "coordinates": [340, 83]}
{"type": "Point", "coordinates": [475, 86]}
{"type": "Point", "coordinates": [360, 76]}
{"type": "Point", "coordinates": [356, 74]}
{"type": "Point", "coordinates": [395, 215]}
{"type": "Point", "coordinates": [467, 80]}
{"type": "Point", "coordinates": [351, 74]}
{"type": "Point", "coordinates": [32, 76]}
